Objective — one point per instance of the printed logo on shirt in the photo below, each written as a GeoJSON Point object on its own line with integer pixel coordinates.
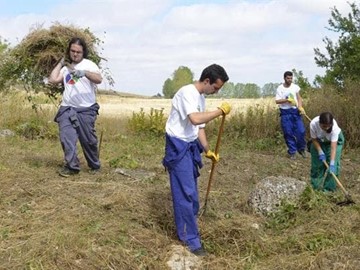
{"type": "Point", "coordinates": [71, 79]}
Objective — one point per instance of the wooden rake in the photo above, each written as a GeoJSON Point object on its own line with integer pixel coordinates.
{"type": "Point", "coordinates": [348, 199]}
{"type": "Point", "coordinates": [221, 129]}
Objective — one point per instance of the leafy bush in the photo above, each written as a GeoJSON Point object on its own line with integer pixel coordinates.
{"type": "Point", "coordinates": [149, 124]}
{"type": "Point", "coordinates": [124, 161]}
{"type": "Point", "coordinates": [37, 129]}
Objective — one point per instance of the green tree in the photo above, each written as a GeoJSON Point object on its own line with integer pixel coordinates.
{"type": "Point", "coordinates": [269, 89]}
{"type": "Point", "coordinates": [168, 88]}
{"type": "Point", "coordinates": [182, 76]}
{"type": "Point", "coordinates": [251, 90]}
{"type": "Point", "coordinates": [227, 91]}
{"type": "Point", "coordinates": [343, 57]}
{"type": "Point", "coordinates": [301, 80]}
{"type": "Point", "coordinates": [239, 90]}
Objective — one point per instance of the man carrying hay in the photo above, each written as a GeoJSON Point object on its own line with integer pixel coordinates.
{"type": "Point", "coordinates": [78, 109]}
{"type": "Point", "coordinates": [185, 140]}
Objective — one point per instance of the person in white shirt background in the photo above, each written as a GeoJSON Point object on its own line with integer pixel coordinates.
{"type": "Point", "coordinates": [291, 108]}
{"type": "Point", "coordinates": [327, 143]}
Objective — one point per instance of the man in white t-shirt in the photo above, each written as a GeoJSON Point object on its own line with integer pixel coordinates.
{"type": "Point", "coordinates": [290, 103]}
{"type": "Point", "coordinates": [185, 140]}
{"type": "Point", "coordinates": [327, 143]}
{"type": "Point", "coordinates": [78, 110]}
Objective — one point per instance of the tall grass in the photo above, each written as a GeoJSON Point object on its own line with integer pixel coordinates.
{"type": "Point", "coordinates": [26, 118]}
{"type": "Point", "coordinates": [258, 127]}
{"type": "Point", "coordinates": [343, 105]}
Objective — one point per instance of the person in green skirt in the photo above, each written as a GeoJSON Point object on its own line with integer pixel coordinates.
{"type": "Point", "coordinates": [327, 143]}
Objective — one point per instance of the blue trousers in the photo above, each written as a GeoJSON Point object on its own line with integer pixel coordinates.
{"type": "Point", "coordinates": [293, 129]}
{"type": "Point", "coordinates": [182, 160]}
{"type": "Point", "coordinates": [78, 124]}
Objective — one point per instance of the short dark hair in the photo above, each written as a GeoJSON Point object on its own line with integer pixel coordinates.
{"type": "Point", "coordinates": [214, 72]}
{"type": "Point", "coordinates": [326, 118]}
{"type": "Point", "coordinates": [288, 73]}
{"type": "Point", "coordinates": [78, 41]}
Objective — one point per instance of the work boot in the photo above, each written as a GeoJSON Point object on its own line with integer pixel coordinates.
{"type": "Point", "coordinates": [200, 252]}
{"type": "Point", "coordinates": [66, 172]}
{"type": "Point", "coordinates": [94, 171]}
{"type": "Point", "coordinates": [302, 153]}
{"type": "Point", "coordinates": [292, 157]}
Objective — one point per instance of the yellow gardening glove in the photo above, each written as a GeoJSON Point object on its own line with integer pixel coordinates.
{"type": "Point", "coordinates": [211, 155]}
{"type": "Point", "coordinates": [301, 110]}
{"type": "Point", "coordinates": [291, 100]}
{"type": "Point", "coordinates": [225, 107]}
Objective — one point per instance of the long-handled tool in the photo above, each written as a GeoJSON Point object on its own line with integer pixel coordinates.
{"type": "Point", "coordinates": [307, 117]}
{"type": "Point", "coordinates": [221, 129]}
{"type": "Point", "coordinates": [100, 142]}
{"type": "Point", "coordinates": [348, 199]}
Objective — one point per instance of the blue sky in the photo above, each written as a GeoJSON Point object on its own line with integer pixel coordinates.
{"type": "Point", "coordinates": [16, 7]}
{"type": "Point", "coordinates": [146, 40]}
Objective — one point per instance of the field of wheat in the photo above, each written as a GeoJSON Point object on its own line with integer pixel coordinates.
{"type": "Point", "coordinates": [115, 106]}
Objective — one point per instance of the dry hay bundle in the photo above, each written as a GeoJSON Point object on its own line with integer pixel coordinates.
{"type": "Point", "coordinates": [40, 50]}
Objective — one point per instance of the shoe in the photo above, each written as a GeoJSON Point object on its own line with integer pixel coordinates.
{"type": "Point", "coordinates": [66, 172]}
{"type": "Point", "coordinates": [292, 157]}
{"type": "Point", "coordinates": [302, 153]}
{"type": "Point", "coordinates": [94, 171]}
{"type": "Point", "coordinates": [200, 252]}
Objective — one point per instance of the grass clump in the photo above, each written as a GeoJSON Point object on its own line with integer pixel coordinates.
{"type": "Point", "coordinates": [152, 124]}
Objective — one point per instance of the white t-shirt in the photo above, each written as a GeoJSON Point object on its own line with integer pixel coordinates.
{"type": "Point", "coordinates": [317, 133]}
{"type": "Point", "coordinates": [186, 101]}
{"type": "Point", "coordinates": [79, 92]}
{"type": "Point", "coordinates": [283, 92]}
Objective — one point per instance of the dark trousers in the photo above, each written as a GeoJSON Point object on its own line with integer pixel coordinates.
{"type": "Point", "coordinates": [79, 125]}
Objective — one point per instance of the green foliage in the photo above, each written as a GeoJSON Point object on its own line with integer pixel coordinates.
{"type": "Point", "coordinates": [312, 199]}
{"type": "Point", "coordinates": [123, 161]}
{"type": "Point", "coordinates": [239, 90]}
{"type": "Point", "coordinates": [259, 126]}
{"type": "Point", "coordinates": [283, 218]}
{"type": "Point", "coordinates": [342, 58]}
{"type": "Point", "coordinates": [182, 76]}
{"type": "Point", "coordinates": [269, 89]}
{"type": "Point", "coordinates": [319, 242]}
{"type": "Point", "coordinates": [227, 91]}
{"type": "Point", "coordinates": [302, 82]}
{"type": "Point", "coordinates": [251, 90]}
{"type": "Point", "coordinates": [148, 124]}
{"type": "Point", "coordinates": [37, 129]}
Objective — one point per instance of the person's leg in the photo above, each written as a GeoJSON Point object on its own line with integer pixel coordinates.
{"type": "Point", "coordinates": [330, 183]}
{"type": "Point", "coordinates": [317, 171]}
{"type": "Point", "coordinates": [185, 202]}
{"type": "Point", "coordinates": [88, 138]}
{"type": "Point", "coordinates": [287, 127]}
{"type": "Point", "coordinates": [68, 138]}
{"type": "Point", "coordinates": [300, 134]}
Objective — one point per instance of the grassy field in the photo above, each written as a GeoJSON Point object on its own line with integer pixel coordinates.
{"type": "Point", "coordinates": [124, 220]}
